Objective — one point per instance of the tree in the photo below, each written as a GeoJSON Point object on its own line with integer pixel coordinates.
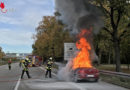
{"type": "Point", "coordinates": [116, 22]}
{"type": "Point", "coordinates": [50, 38]}
{"type": "Point", "coordinates": [103, 47]}
{"type": "Point", "coordinates": [1, 53]}
{"type": "Point", "coordinates": [125, 49]}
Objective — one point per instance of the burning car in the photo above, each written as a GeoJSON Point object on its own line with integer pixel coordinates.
{"type": "Point", "coordinates": [89, 74]}
{"type": "Point", "coordinates": [82, 63]}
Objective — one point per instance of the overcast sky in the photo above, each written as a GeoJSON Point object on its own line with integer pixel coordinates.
{"type": "Point", "coordinates": [18, 25]}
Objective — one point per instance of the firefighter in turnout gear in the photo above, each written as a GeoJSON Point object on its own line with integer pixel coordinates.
{"type": "Point", "coordinates": [24, 64]}
{"type": "Point", "coordinates": [49, 67]}
{"type": "Point", "coordinates": [9, 64]}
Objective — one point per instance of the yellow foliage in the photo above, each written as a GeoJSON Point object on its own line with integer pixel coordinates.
{"type": "Point", "coordinates": [50, 37]}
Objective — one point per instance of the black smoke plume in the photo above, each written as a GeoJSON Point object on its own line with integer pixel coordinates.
{"type": "Point", "coordinates": [79, 14]}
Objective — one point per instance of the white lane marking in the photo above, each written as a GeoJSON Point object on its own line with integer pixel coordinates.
{"type": "Point", "coordinates": [45, 70]}
{"type": "Point", "coordinates": [77, 86]}
{"type": "Point", "coordinates": [17, 85]}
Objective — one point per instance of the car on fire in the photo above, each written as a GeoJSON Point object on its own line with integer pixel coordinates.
{"type": "Point", "coordinates": [89, 74]}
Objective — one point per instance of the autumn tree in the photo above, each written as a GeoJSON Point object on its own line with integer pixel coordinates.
{"type": "Point", "coordinates": [50, 38]}
{"type": "Point", "coordinates": [1, 53]}
{"type": "Point", "coordinates": [117, 22]}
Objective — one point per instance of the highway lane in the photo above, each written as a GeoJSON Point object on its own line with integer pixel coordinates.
{"type": "Point", "coordinates": [39, 82]}
{"type": "Point", "coordinates": [8, 78]}
{"type": "Point", "coordinates": [42, 83]}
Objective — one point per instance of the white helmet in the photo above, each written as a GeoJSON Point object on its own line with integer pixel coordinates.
{"type": "Point", "coordinates": [50, 58]}
{"type": "Point", "coordinates": [27, 59]}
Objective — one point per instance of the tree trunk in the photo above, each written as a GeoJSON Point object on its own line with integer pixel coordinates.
{"type": "Point", "coordinates": [100, 56]}
{"type": "Point", "coordinates": [117, 55]}
{"type": "Point", "coordinates": [109, 58]}
{"type": "Point", "coordinates": [128, 64]}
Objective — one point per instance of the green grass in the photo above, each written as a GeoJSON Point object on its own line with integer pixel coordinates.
{"type": "Point", "coordinates": [111, 67]}
{"type": "Point", "coordinates": [120, 81]}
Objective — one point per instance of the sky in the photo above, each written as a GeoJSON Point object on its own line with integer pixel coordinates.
{"type": "Point", "coordinates": [17, 25]}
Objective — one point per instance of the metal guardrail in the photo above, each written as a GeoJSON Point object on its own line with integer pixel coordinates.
{"type": "Point", "coordinates": [120, 74]}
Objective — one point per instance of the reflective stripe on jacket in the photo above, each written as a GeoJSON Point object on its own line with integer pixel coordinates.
{"type": "Point", "coordinates": [25, 65]}
{"type": "Point", "coordinates": [48, 68]}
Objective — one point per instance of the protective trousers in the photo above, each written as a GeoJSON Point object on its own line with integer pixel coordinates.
{"type": "Point", "coordinates": [48, 71]}
{"type": "Point", "coordinates": [9, 67]}
{"type": "Point", "coordinates": [26, 73]}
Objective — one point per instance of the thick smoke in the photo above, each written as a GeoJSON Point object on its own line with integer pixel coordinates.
{"type": "Point", "coordinates": [78, 15]}
{"type": "Point", "coordinates": [65, 72]}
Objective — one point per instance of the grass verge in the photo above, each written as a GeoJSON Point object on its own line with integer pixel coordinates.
{"type": "Point", "coordinates": [120, 81]}
{"type": "Point", "coordinates": [111, 67]}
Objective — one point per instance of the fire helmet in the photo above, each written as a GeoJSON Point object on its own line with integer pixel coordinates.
{"type": "Point", "coordinates": [50, 58]}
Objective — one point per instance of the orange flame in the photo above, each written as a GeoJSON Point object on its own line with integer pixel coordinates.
{"type": "Point", "coordinates": [83, 57]}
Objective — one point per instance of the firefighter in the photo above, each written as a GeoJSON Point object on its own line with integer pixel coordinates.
{"type": "Point", "coordinates": [49, 67]}
{"type": "Point", "coordinates": [9, 64]}
{"type": "Point", "coordinates": [25, 64]}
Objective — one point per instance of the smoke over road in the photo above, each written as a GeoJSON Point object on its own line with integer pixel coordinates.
{"type": "Point", "coordinates": [79, 15]}
{"type": "Point", "coordinates": [65, 72]}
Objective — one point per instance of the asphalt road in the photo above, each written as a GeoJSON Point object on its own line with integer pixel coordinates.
{"type": "Point", "coordinates": [10, 80]}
